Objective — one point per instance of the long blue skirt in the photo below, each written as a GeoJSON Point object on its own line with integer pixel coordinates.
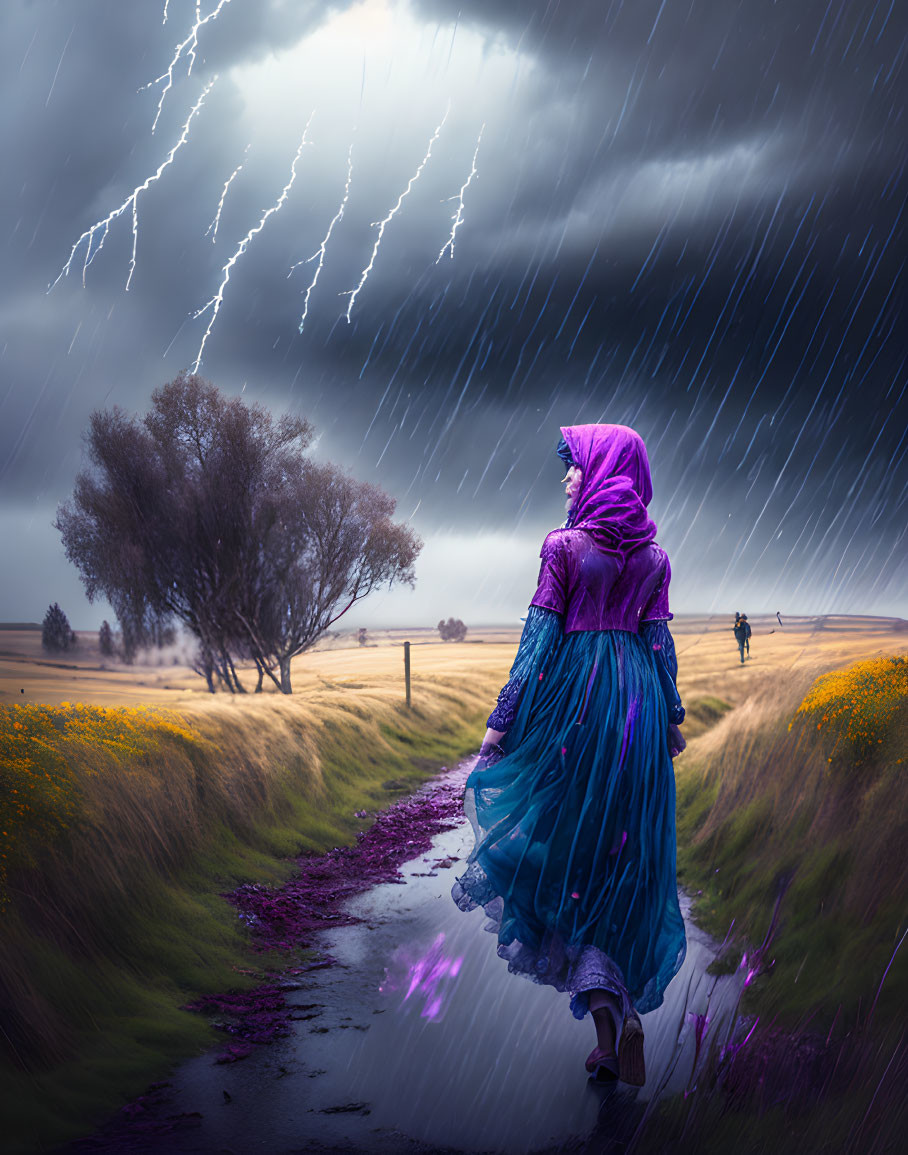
{"type": "Point", "coordinates": [574, 860]}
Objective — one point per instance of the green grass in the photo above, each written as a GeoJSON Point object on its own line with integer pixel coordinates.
{"type": "Point", "coordinates": [762, 809]}
{"type": "Point", "coordinates": [113, 925]}
{"type": "Point", "coordinates": [702, 713]}
{"type": "Point", "coordinates": [797, 802]}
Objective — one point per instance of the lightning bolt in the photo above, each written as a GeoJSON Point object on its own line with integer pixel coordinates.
{"type": "Point", "coordinates": [321, 249]}
{"type": "Point", "coordinates": [457, 218]}
{"type": "Point", "coordinates": [195, 37]}
{"type": "Point", "coordinates": [215, 303]}
{"type": "Point", "coordinates": [166, 6]}
{"type": "Point", "coordinates": [217, 216]}
{"type": "Point", "coordinates": [133, 200]}
{"type": "Point", "coordinates": [188, 45]}
{"type": "Point", "coordinates": [352, 293]}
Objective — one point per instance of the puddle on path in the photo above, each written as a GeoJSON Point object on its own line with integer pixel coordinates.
{"type": "Point", "coordinates": [419, 1040]}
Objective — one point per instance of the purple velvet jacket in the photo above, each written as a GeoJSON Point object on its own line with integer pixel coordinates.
{"type": "Point", "coordinates": [603, 571]}
{"type": "Point", "coordinates": [592, 591]}
{"type": "Point", "coordinates": [582, 588]}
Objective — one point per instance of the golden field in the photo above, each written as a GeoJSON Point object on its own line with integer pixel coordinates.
{"type": "Point", "coordinates": [132, 798]}
{"type": "Point", "coordinates": [707, 657]}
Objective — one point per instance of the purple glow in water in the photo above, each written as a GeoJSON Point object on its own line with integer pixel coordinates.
{"type": "Point", "coordinates": [288, 917]}
{"type": "Point", "coordinates": [425, 977]}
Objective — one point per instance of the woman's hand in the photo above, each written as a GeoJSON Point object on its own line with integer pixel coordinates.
{"type": "Point", "coordinates": [490, 752]}
{"type": "Point", "coordinates": [676, 742]}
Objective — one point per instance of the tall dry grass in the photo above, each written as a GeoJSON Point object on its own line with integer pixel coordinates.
{"type": "Point", "coordinates": [121, 828]}
{"type": "Point", "coordinates": [126, 824]}
{"type": "Point", "coordinates": [791, 824]}
{"type": "Point", "coordinates": [802, 789]}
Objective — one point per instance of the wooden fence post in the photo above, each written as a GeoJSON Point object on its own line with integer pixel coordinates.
{"type": "Point", "coordinates": [407, 670]}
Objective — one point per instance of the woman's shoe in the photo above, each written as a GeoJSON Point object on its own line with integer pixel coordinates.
{"type": "Point", "coordinates": [602, 1065]}
{"type": "Point", "coordinates": [631, 1067]}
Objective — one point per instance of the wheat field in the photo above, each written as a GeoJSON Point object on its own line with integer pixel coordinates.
{"type": "Point", "coordinates": [707, 658]}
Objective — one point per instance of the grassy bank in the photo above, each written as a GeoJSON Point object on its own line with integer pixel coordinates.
{"type": "Point", "coordinates": [802, 792]}
{"type": "Point", "coordinates": [120, 826]}
{"type": "Point", "coordinates": [791, 829]}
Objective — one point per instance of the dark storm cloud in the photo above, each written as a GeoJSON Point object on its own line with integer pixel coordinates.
{"type": "Point", "coordinates": [71, 76]}
{"type": "Point", "coordinates": [686, 218]}
{"type": "Point", "coordinates": [706, 67]}
{"type": "Point", "coordinates": [78, 130]}
{"type": "Point", "coordinates": [811, 90]}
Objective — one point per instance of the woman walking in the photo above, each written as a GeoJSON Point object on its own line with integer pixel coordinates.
{"type": "Point", "coordinates": [572, 800]}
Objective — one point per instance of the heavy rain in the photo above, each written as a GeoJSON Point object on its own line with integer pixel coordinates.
{"type": "Point", "coordinates": [683, 217]}
{"type": "Point", "coordinates": [425, 236]}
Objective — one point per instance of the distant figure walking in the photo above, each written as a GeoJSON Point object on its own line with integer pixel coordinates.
{"type": "Point", "coordinates": [779, 617]}
{"type": "Point", "coordinates": [742, 634]}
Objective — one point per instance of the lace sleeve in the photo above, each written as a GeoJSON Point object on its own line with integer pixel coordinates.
{"type": "Point", "coordinates": [659, 638]}
{"type": "Point", "coordinates": [542, 632]}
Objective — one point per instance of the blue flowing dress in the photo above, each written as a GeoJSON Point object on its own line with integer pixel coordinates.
{"type": "Point", "coordinates": [574, 859]}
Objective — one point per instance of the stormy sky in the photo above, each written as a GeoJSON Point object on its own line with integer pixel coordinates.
{"type": "Point", "coordinates": [682, 215]}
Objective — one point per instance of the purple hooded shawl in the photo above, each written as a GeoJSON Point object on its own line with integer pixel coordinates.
{"type": "Point", "coordinates": [602, 569]}
{"type": "Point", "coordinates": [616, 487]}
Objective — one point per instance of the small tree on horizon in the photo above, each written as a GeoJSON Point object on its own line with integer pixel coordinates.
{"type": "Point", "coordinates": [452, 630]}
{"type": "Point", "coordinates": [106, 639]}
{"type": "Point", "coordinates": [56, 634]}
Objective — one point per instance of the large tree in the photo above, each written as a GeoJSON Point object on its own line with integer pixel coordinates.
{"type": "Point", "coordinates": [208, 512]}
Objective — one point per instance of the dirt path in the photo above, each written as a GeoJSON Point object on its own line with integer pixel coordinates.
{"type": "Point", "coordinates": [415, 1038]}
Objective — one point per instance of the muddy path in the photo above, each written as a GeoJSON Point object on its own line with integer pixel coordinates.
{"type": "Point", "coordinates": [410, 1035]}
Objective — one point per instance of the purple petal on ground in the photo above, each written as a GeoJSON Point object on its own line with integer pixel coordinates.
{"type": "Point", "coordinates": [287, 918]}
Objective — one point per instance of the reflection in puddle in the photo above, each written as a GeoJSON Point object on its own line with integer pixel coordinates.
{"type": "Point", "coordinates": [424, 978]}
